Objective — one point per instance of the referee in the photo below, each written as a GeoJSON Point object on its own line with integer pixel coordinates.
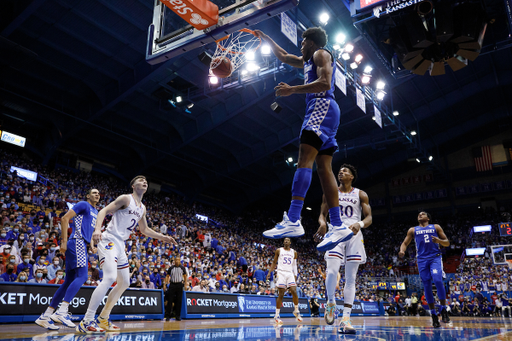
{"type": "Point", "coordinates": [177, 279]}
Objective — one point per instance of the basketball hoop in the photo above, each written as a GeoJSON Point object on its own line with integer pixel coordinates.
{"type": "Point", "coordinates": [235, 47]}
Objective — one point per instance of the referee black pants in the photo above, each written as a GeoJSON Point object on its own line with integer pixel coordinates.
{"type": "Point", "coordinates": [174, 295]}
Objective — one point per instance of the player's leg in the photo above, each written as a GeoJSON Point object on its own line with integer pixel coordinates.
{"type": "Point", "coordinates": [351, 268]}
{"type": "Point", "coordinates": [123, 282]}
{"type": "Point", "coordinates": [436, 271]}
{"type": "Point", "coordinates": [333, 260]}
{"type": "Point", "coordinates": [426, 278]}
{"type": "Point", "coordinates": [281, 288]}
{"type": "Point", "coordinates": [292, 286]}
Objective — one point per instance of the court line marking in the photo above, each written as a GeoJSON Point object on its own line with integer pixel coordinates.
{"type": "Point", "coordinates": [493, 336]}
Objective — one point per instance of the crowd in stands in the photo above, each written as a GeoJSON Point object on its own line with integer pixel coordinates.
{"type": "Point", "coordinates": [226, 255]}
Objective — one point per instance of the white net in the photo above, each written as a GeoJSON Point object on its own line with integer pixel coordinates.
{"type": "Point", "coordinates": [235, 46]}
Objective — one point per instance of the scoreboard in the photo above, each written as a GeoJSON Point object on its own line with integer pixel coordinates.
{"type": "Point", "coordinates": [505, 229]}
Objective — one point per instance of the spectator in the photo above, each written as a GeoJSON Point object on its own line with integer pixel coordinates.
{"type": "Point", "coordinates": [90, 282]}
{"type": "Point", "coordinates": [41, 264]}
{"type": "Point", "coordinates": [147, 283]}
{"type": "Point", "coordinates": [95, 271]}
{"type": "Point", "coordinates": [9, 275]}
{"type": "Point", "coordinates": [201, 287]}
{"type": "Point", "coordinates": [38, 278]}
{"type": "Point", "coordinates": [22, 278]}
{"type": "Point", "coordinates": [59, 278]}
{"type": "Point", "coordinates": [315, 307]}
{"type": "Point", "coordinates": [53, 268]}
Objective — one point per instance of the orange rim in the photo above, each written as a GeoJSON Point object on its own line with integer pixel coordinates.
{"type": "Point", "coordinates": [235, 52]}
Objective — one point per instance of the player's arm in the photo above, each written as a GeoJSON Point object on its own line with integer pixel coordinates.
{"type": "Point", "coordinates": [294, 267]}
{"type": "Point", "coordinates": [406, 242]}
{"type": "Point", "coordinates": [323, 62]}
{"type": "Point", "coordinates": [367, 212]}
{"type": "Point", "coordinates": [274, 262]}
{"type": "Point", "coordinates": [185, 281]}
{"type": "Point", "coordinates": [121, 202]}
{"type": "Point", "coordinates": [442, 240]}
{"type": "Point", "coordinates": [322, 220]}
{"type": "Point", "coordinates": [145, 230]}
{"type": "Point", "coordinates": [338, 278]}
{"type": "Point", "coordinates": [281, 53]}
{"type": "Point", "coordinates": [64, 223]}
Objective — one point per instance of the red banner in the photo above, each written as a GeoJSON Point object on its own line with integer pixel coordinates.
{"type": "Point", "coordinates": [366, 3]}
{"type": "Point", "coordinates": [201, 14]}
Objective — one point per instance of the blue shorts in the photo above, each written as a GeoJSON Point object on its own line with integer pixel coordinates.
{"type": "Point", "coordinates": [323, 118]}
{"type": "Point", "coordinates": [431, 269]}
{"type": "Point", "coordinates": [76, 254]}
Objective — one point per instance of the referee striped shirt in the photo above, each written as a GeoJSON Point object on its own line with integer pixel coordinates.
{"type": "Point", "coordinates": [176, 273]}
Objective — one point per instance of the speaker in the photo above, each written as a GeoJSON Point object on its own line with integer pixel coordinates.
{"type": "Point", "coordinates": [276, 107]}
{"type": "Point", "coordinates": [205, 58]}
{"type": "Point", "coordinates": [443, 21]}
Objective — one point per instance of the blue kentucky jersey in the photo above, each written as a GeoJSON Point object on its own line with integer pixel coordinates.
{"type": "Point", "coordinates": [310, 76]}
{"type": "Point", "coordinates": [84, 222]}
{"type": "Point", "coordinates": [425, 248]}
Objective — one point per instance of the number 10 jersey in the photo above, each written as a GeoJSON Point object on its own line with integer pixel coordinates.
{"type": "Point", "coordinates": [124, 221]}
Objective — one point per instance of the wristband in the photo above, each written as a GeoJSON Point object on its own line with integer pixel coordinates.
{"type": "Point", "coordinates": [361, 224]}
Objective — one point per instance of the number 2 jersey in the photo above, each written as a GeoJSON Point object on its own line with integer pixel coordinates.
{"type": "Point", "coordinates": [426, 249]}
{"type": "Point", "coordinates": [124, 221]}
{"type": "Point", "coordinates": [285, 260]}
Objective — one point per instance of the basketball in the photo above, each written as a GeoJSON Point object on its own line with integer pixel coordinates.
{"type": "Point", "coordinates": [224, 67]}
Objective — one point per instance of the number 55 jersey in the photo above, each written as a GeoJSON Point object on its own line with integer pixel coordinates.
{"type": "Point", "coordinates": [285, 277]}
{"type": "Point", "coordinates": [111, 247]}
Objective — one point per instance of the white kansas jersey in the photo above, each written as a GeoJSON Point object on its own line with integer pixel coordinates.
{"type": "Point", "coordinates": [285, 261]}
{"type": "Point", "coordinates": [350, 206]}
{"type": "Point", "coordinates": [124, 221]}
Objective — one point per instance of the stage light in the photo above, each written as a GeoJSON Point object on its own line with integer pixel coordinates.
{"type": "Point", "coordinates": [265, 50]}
{"type": "Point", "coordinates": [179, 99]}
{"type": "Point", "coordinates": [380, 85]}
{"type": "Point", "coordinates": [349, 48]}
{"type": "Point", "coordinates": [250, 55]}
{"type": "Point", "coordinates": [358, 58]}
{"type": "Point", "coordinates": [368, 69]}
{"type": "Point", "coordinates": [214, 80]}
{"type": "Point", "coordinates": [251, 67]}
{"type": "Point", "coordinates": [430, 158]}
{"type": "Point", "coordinates": [396, 113]}
{"type": "Point", "coordinates": [373, 118]}
{"type": "Point", "coordinates": [353, 65]}
{"type": "Point", "coordinates": [336, 47]}
{"type": "Point", "coordinates": [365, 79]}
{"type": "Point", "coordinates": [290, 159]}
{"type": "Point", "coordinates": [345, 56]}
{"type": "Point", "coordinates": [308, 208]}
{"type": "Point", "coordinates": [190, 106]}
{"type": "Point", "coordinates": [324, 18]}
{"type": "Point", "coordinates": [340, 38]}
{"type": "Point", "coordinates": [380, 94]}
{"type": "Point", "coordinates": [418, 160]}
{"type": "Point", "coordinates": [244, 72]}
{"type": "Point", "coordinates": [413, 132]}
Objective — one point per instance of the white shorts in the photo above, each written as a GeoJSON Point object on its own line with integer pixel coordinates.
{"type": "Point", "coordinates": [111, 251]}
{"type": "Point", "coordinates": [351, 251]}
{"type": "Point", "coordinates": [285, 279]}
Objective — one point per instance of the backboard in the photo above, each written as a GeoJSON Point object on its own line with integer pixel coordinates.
{"type": "Point", "coordinates": [169, 35]}
{"type": "Point", "coordinates": [501, 253]}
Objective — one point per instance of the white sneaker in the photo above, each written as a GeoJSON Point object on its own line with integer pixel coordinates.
{"type": "Point", "coordinates": [329, 313]}
{"type": "Point", "coordinates": [90, 327]}
{"type": "Point", "coordinates": [336, 235]}
{"type": "Point", "coordinates": [278, 321]}
{"type": "Point", "coordinates": [64, 319]}
{"type": "Point", "coordinates": [284, 229]}
{"type": "Point", "coordinates": [45, 322]}
{"type": "Point", "coordinates": [297, 316]}
{"type": "Point", "coordinates": [346, 326]}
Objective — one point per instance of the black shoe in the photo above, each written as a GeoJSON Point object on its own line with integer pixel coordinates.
{"type": "Point", "coordinates": [179, 319]}
{"type": "Point", "coordinates": [435, 321]}
{"type": "Point", "coordinates": [444, 316]}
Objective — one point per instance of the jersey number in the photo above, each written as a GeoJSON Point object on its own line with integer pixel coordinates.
{"type": "Point", "coordinates": [426, 238]}
{"type": "Point", "coordinates": [347, 212]}
{"type": "Point", "coordinates": [133, 225]}
{"type": "Point", "coordinates": [287, 260]}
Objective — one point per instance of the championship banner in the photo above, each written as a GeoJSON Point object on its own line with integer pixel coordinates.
{"type": "Point", "coordinates": [26, 302]}
{"type": "Point", "coordinates": [219, 305]}
{"type": "Point", "coordinates": [358, 307]}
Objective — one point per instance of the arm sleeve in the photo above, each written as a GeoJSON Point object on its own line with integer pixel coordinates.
{"type": "Point", "coordinates": [295, 267]}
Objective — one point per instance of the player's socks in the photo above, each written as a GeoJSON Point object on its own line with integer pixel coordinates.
{"type": "Point", "coordinates": [63, 308]}
{"type": "Point", "coordinates": [347, 311]}
{"type": "Point", "coordinates": [334, 214]}
{"type": "Point", "coordinates": [296, 306]}
{"type": "Point", "coordinates": [277, 312]}
{"type": "Point", "coordinates": [295, 209]}
{"type": "Point", "coordinates": [48, 312]}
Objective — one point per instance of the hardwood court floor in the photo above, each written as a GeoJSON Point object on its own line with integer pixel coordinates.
{"type": "Point", "coordinates": [368, 328]}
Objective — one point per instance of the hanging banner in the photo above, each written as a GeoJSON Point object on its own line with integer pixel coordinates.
{"type": "Point", "coordinates": [341, 81]}
{"type": "Point", "coordinates": [378, 117]}
{"type": "Point", "coordinates": [289, 28]}
{"type": "Point", "coordinates": [360, 100]}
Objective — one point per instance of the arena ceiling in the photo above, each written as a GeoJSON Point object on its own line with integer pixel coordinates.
{"type": "Point", "coordinates": [73, 78]}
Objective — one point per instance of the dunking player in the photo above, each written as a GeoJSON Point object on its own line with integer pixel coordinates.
{"type": "Point", "coordinates": [127, 211]}
{"type": "Point", "coordinates": [428, 237]}
{"type": "Point", "coordinates": [317, 137]}
{"type": "Point", "coordinates": [352, 202]}
{"type": "Point", "coordinates": [286, 260]}
{"type": "Point", "coordinates": [84, 216]}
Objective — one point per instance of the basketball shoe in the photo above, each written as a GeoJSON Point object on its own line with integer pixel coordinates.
{"type": "Point", "coordinates": [336, 235]}
{"type": "Point", "coordinates": [65, 319]}
{"type": "Point", "coordinates": [285, 228]}
{"type": "Point", "coordinates": [90, 327]}
{"type": "Point", "coordinates": [444, 315]}
{"type": "Point", "coordinates": [278, 321]}
{"type": "Point", "coordinates": [296, 313]}
{"type": "Point", "coordinates": [329, 313]}
{"type": "Point", "coordinates": [435, 321]}
{"type": "Point", "coordinates": [346, 326]}
{"type": "Point", "coordinates": [107, 325]}
{"type": "Point", "coordinates": [45, 322]}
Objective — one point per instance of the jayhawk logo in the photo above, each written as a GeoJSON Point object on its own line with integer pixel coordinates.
{"type": "Point", "coordinates": [109, 246]}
